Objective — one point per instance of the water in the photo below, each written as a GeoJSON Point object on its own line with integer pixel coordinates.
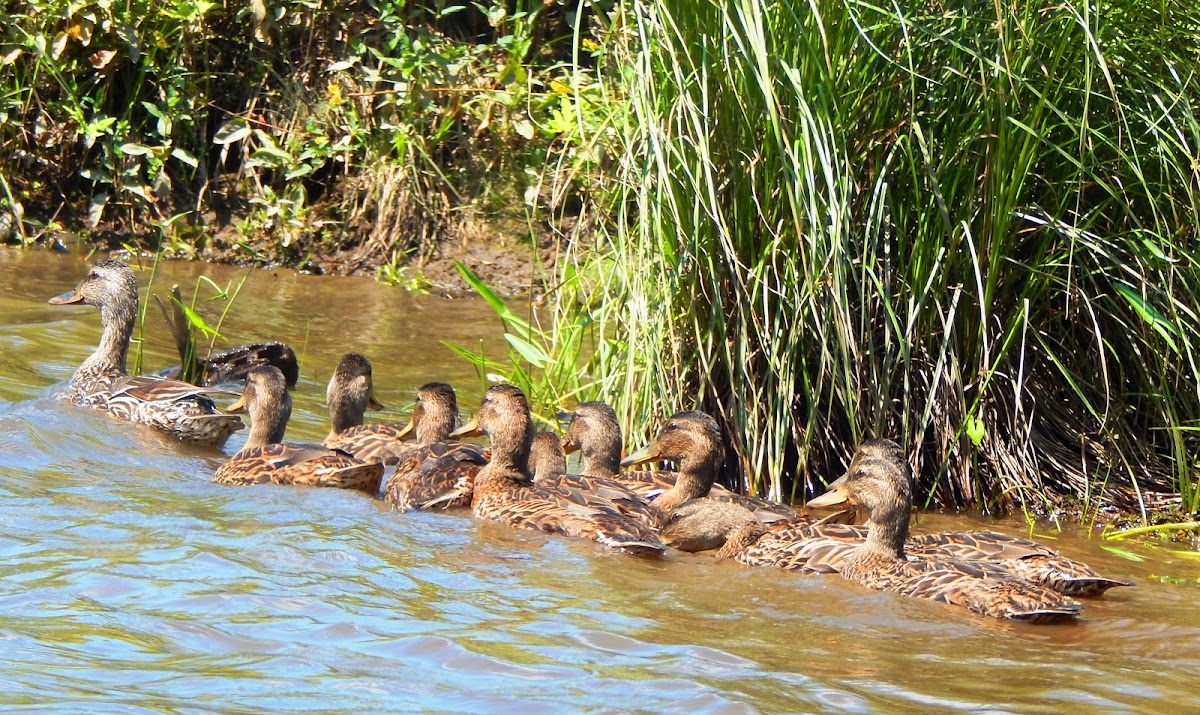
{"type": "Point", "coordinates": [130, 583]}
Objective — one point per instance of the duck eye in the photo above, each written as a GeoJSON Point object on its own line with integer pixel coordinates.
{"type": "Point", "coordinates": [671, 427]}
{"type": "Point", "coordinates": [860, 472]}
{"type": "Point", "coordinates": [94, 275]}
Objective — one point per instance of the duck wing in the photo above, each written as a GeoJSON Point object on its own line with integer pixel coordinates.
{"type": "Point", "coordinates": [301, 465]}
{"type": "Point", "coordinates": [1022, 558]}
{"type": "Point", "coordinates": [998, 597]}
{"type": "Point", "coordinates": [441, 474]}
{"type": "Point", "coordinates": [381, 443]}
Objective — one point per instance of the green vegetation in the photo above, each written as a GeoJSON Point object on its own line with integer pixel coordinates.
{"type": "Point", "coordinates": [373, 129]}
{"type": "Point", "coordinates": [969, 228]}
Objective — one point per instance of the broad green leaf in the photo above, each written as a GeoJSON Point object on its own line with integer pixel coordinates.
{"type": "Point", "coordinates": [195, 319]}
{"type": "Point", "coordinates": [184, 156]}
{"type": "Point", "coordinates": [232, 131]}
{"type": "Point", "coordinates": [535, 355]}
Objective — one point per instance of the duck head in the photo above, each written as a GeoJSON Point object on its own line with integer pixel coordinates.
{"type": "Point", "coordinates": [703, 524]}
{"type": "Point", "coordinates": [504, 417]}
{"type": "Point", "coordinates": [596, 435]}
{"type": "Point", "coordinates": [111, 287]}
{"type": "Point", "coordinates": [435, 413]}
{"type": "Point", "coordinates": [879, 480]}
{"type": "Point", "coordinates": [693, 441]}
{"type": "Point", "coordinates": [546, 457]}
{"type": "Point", "coordinates": [265, 397]}
{"type": "Point", "coordinates": [350, 393]}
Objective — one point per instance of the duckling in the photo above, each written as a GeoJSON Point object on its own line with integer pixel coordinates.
{"type": "Point", "coordinates": [265, 458]}
{"type": "Point", "coordinates": [436, 467]}
{"type": "Point", "coordinates": [177, 408]}
{"type": "Point", "coordinates": [505, 491]}
{"type": "Point", "coordinates": [349, 393]}
{"type": "Point", "coordinates": [883, 488]}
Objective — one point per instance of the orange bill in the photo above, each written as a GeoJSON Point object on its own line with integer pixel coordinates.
{"type": "Point", "coordinates": [648, 453]}
{"type": "Point", "coordinates": [470, 429]}
{"type": "Point", "coordinates": [71, 296]}
{"type": "Point", "coordinates": [834, 495]}
{"type": "Point", "coordinates": [569, 445]}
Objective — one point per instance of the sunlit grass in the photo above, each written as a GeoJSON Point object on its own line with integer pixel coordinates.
{"type": "Point", "coordinates": [972, 230]}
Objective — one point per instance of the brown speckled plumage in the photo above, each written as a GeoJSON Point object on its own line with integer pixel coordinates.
{"type": "Point", "coordinates": [504, 490]}
{"type": "Point", "coordinates": [265, 458]}
{"type": "Point", "coordinates": [879, 481]}
{"type": "Point", "coordinates": [436, 469]}
{"type": "Point", "coordinates": [176, 408]}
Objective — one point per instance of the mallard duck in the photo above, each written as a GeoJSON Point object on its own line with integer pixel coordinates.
{"type": "Point", "coordinates": [883, 488]}
{"type": "Point", "coordinates": [265, 458]}
{"type": "Point", "coordinates": [504, 490]}
{"type": "Point", "coordinates": [546, 457]}
{"type": "Point", "coordinates": [233, 364]}
{"type": "Point", "coordinates": [177, 408]}
{"type": "Point", "coordinates": [349, 393]}
{"type": "Point", "coordinates": [692, 440]}
{"type": "Point", "coordinates": [1024, 558]}
{"type": "Point", "coordinates": [435, 467]}
{"type": "Point", "coordinates": [593, 431]}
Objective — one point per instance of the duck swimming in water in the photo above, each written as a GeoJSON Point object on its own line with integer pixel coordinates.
{"type": "Point", "coordinates": [176, 408]}
{"type": "Point", "coordinates": [504, 490]}
{"type": "Point", "coordinates": [883, 487]}
{"type": "Point", "coordinates": [265, 458]}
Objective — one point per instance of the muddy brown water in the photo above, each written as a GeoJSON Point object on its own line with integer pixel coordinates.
{"type": "Point", "coordinates": [130, 583]}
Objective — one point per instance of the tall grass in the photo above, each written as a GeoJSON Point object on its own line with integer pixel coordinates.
{"type": "Point", "coordinates": [971, 228]}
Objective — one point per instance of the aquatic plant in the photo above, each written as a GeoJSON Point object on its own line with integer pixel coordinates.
{"type": "Point", "coordinates": [371, 128]}
{"type": "Point", "coordinates": [969, 228]}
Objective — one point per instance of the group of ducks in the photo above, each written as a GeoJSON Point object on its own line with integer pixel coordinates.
{"type": "Point", "coordinates": [522, 480]}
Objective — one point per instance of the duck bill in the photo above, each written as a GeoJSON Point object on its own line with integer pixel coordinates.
{"type": "Point", "coordinates": [375, 404]}
{"type": "Point", "coordinates": [406, 430]}
{"type": "Point", "coordinates": [71, 296]}
{"type": "Point", "coordinates": [645, 454]}
{"type": "Point", "coordinates": [569, 446]}
{"type": "Point", "coordinates": [835, 495]}
{"type": "Point", "coordinates": [470, 429]}
{"type": "Point", "coordinates": [238, 407]}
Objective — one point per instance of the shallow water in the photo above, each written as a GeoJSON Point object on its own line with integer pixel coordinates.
{"type": "Point", "coordinates": [132, 584]}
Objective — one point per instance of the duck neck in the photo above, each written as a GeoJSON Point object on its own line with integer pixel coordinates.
{"type": "Point", "coordinates": [887, 530]}
{"type": "Point", "coordinates": [117, 319]}
{"type": "Point", "coordinates": [511, 444]}
{"type": "Point", "coordinates": [344, 414]}
{"type": "Point", "coordinates": [268, 421]}
{"type": "Point", "coordinates": [436, 423]}
{"type": "Point", "coordinates": [601, 458]}
{"type": "Point", "coordinates": [741, 538]}
{"type": "Point", "coordinates": [697, 473]}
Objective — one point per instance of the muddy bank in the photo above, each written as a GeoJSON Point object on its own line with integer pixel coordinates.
{"type": "Point", "coordinates": [498, 249]}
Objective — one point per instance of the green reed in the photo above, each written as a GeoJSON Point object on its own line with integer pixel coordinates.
{"type": "Point", "coordinates": [972, 230]}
